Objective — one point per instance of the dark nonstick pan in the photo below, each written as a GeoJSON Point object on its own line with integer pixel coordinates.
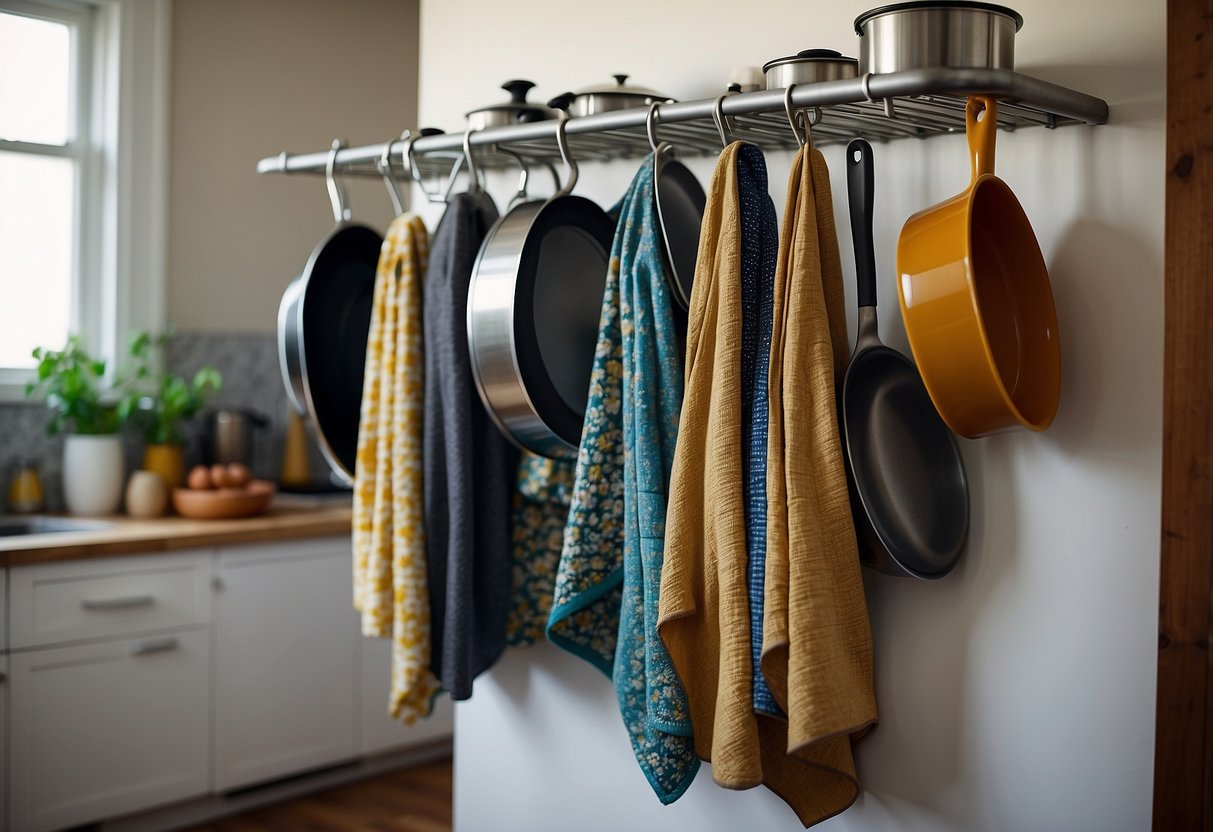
{"type": "Point", "coordinates": [909, 494]}
{"type": "Point", "coordinates": [680, 203]}
{"type": "Point", "coordinates": [323, 323]}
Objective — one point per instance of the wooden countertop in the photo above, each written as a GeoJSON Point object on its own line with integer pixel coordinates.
{"type": "Point", "coordinates": [287, 518]}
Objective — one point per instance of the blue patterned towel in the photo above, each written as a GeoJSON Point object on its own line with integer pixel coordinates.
{"type": "Point", "coordinates": [610, 571]}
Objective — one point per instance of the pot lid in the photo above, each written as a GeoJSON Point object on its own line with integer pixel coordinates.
{"type": "Point", "coordinates": [620, 87]}
{"type": "Point", "coordinates": [972, 5]}
{"type": "Point", "coordinates": [808, 56]}
{"type": "Point", "coordinates": [525, 110]}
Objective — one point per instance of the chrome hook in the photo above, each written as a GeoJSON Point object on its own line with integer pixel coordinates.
{"type": "Point", "coordinates": [341, 213]}
{"type": "Point", "coordinates": [865, 86]}
{"type": "Point", "coordinates": [719, 118]}
{"type": "Point", "coordinates": [801, 136]}
{"type": "Point", "coordinates": [650, 125]}
{"type": "Point", "coordinates": [562, 142]}
{"type": "Point", "coordinates": [384, 166]}
{"type": "Point", "coordinates": [473, 173]}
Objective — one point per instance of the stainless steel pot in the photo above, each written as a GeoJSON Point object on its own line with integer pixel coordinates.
{"type": "Point", "coordinates": [515, 111]}
{"type": "Point", "coordinates": [937, 33]}
{"type": "Point", "coordinates": [229, 435]}
{"type": "Point", "coordinates": [809, 67]}
{"type": "Point", "coordinates": [606, 97]}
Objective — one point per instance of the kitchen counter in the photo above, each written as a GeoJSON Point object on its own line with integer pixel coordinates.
{"type": "Point", "coordinates": [288, 518]}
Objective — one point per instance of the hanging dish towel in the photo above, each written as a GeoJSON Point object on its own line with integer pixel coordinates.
{"type": "Point", "coordinates": [759, 255]}
{"type": "Point", "coordinates": [704, 604]}
{"type": "Point", "coordinates": [469, 467]}
{"type": "Point", "coordinates": [817, 641]}
{"type": "Point", "coordinates": [390, 582]}
{"type": "Point", "coordinates": [610, 569]}
{"type": "Point", "coordinates": [541, 507]}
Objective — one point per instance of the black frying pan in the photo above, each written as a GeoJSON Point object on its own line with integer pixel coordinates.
{"type": "Point", "coordinates": [323, 324]}
{"type": "Point", "coordinates": [909, 494]}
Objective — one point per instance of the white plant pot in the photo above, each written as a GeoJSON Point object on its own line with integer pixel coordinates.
{"type": "Point", "coordinates": [92, 474]}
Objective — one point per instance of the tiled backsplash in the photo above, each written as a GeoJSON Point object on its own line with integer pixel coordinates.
{"type": "Point", "coordinates": [251, 379]}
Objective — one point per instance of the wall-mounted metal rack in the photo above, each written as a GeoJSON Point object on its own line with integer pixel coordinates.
{"type": "Point", "coordinates": [910, 104]}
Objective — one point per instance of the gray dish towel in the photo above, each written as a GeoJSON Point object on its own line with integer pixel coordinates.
{"type": "Point", "coordinates": [469, 467]}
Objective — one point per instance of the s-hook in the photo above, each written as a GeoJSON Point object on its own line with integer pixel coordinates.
{"type": "Point", "coordinates": [719, 118]}
{"type": "Point", "coordinates": [562, 142]}
{"type": "Point", "coordinates": [473, 173]}
{"type": "Point", "coordinates": [384, 166]}
{"type": "Point", "coordinates": [341, 212]}
{"type": "Point", "coordinates": [799, 121]}
{"type": "Point", "coordinates": [865, 86]}
{"type": "Point", "coordinates": [650, 126]}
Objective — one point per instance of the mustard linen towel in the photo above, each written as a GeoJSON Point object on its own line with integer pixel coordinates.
{"type": "Point", "coordinates": [817, 642]}
{"type": "Point", "coordinates": [390, 582]}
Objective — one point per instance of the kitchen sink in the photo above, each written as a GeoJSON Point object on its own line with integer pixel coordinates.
{"type": "Point", "coordinates": [17, 526]}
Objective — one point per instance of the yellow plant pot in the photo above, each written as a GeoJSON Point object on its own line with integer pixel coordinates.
{"type": "Point", "coordinates": [168, 461]}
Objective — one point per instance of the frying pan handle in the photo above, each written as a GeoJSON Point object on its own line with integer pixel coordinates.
{"type": "Point", "coordinates": [981, 133]}
{"type": "Point", "coordinates": [860, 190]}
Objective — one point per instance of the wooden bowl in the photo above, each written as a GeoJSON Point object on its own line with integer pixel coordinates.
{"type": "Point", "coordinates": [224, 503]}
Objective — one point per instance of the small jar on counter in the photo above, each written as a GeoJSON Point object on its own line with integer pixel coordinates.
{"type": "Point", "coordinates": [25, 488]}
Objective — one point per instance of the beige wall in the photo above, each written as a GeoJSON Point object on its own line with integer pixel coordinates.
{"type": "Point", "coordinates": [250, 79]}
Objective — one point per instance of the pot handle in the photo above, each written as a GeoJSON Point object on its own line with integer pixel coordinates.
{"type": "Point", "coordinates": [981, 133]}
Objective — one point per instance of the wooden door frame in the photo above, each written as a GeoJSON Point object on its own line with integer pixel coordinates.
{"type": "Point", "coordinates": [1183, 744]}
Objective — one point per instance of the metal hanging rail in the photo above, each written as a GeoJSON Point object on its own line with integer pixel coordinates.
{"type": "Point", "coordinates": [914, 103]}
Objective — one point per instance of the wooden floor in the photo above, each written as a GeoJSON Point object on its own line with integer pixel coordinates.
{"type": "Point", "coordinates": [416, 799]}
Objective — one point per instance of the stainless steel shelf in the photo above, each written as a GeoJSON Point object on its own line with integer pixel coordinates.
{"type": "Point", "coordinates": [924, 103]}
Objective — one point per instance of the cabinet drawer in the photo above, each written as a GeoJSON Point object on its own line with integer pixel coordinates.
{"type": "Point", "coordinates": [62, 602]}
{"type": "Point", "coordinates": [100, 730]}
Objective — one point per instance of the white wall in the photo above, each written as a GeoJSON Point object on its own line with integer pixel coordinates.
{"type": "Point", "coordinates": [1018, 693]}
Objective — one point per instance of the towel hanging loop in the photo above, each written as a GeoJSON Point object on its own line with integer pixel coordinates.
{"type": "Point", "coordinates": [384, 166]}
{"type": "Point", "coordinates": [341, 212]}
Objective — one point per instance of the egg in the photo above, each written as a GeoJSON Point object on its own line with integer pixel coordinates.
{"type": "Point", "coordinates": [238, 475]}
{"type": "Point", "coordinates": [219, 477]}
{"type": "Point", "coordinates": [199, 478]}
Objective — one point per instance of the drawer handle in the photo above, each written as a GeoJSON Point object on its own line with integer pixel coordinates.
{"type": "Point", "coordinates": [127, 603]}
{"type": "Point", "coordinates": [155, 645]}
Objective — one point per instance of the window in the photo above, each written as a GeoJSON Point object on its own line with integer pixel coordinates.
{"type": "Point", "coordinates": [44, 194]}
{"type": "Point", "coordinates": [83, 127]}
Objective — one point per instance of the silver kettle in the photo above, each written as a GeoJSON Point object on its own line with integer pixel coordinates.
{"type": "Point", "coordinates": [229, 435]}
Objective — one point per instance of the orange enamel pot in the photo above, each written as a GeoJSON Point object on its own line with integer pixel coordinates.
{"type": "Point", "coordinates": [977, 303]}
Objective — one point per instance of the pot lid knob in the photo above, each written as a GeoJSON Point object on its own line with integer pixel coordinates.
{"type": "Point", "coordinates": [620, 78]}
{"type": "Point", "coordinates": [518, 90]}
{"type": "Point", "coordinates": [819, 53]}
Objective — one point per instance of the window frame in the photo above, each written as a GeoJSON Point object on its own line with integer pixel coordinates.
{"type": "Point", "coordinates": [119, 140]}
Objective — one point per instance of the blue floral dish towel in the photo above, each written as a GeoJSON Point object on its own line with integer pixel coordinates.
{"type": "Point", "coordinates": [607, 583]}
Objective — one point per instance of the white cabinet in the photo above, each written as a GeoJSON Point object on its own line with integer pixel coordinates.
{"type": "Point", "coordinates": [381, 733]}
{"type": "Point", "coordinates": [286, 662]}
{"type": "Point", "coordinates": [3, 739]}
{"type": "Point", "coordinates": [104, 729]}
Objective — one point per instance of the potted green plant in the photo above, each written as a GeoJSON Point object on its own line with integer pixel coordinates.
{"type": "Point", "coordinates": [72, 382]}
{"type": "Point", "coordinates": [161, 403]}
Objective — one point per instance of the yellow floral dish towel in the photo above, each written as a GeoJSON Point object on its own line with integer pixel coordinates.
{"type": "Point", "coordinates": [390, 582]}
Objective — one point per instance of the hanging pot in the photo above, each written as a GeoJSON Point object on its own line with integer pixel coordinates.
{"type": "Point", "coordinates": [604, 98]}
{"type": "Point", "coordinates": [533, 313]}
{"type": "Point", "coordinates": [977, 303]}
{"type": "Point", "coordinates": [323, 321]}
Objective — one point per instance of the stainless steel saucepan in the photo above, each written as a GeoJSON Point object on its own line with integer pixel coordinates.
{"type": "Point", "coordinates": [603, 98]}
{"type": "Point", "coordinates": [937, 33]}
{"type": "Point", "coordinates": [533, 310]}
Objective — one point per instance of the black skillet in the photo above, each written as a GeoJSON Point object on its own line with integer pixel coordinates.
{"type": "Point", "coordinates": [323, 325]}
{"type": "Point", "coordinates": [909, 494]}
